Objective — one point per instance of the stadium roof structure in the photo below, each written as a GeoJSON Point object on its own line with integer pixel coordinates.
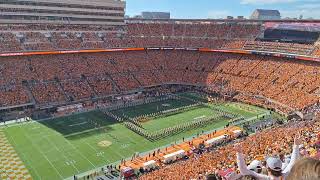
{"type": "Point", "coordinates": [267, 12]}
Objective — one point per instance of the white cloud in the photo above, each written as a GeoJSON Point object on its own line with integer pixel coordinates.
{"type": "Point", "coordinates": [307, 13]}
{"type": "Point", "coordinates": [295, 8]}
{"type": "Point", "coordinates": [308, 9]}
{"type": "Point", "coordinates": [266, 1]}
{"type": "Point", "coordinates": [309, 6]}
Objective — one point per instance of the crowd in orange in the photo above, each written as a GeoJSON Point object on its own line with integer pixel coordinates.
{"type": "Point", "coordinates": [75, 37]}
{"type": "Point", "coordinates": [17, 38]}
{"type": "Point", "coordinates": [282, 81]}
{"type": "Point", "coordinates": [272, 82]}
{"type": "Point", "coordinates": [278, 83]}
{"type": "Point", "coordinates": [317, 51]}
{"type": "Point", "coordinates": [186, 146]}
{"type": "Point", "coordinates": [270, 142]}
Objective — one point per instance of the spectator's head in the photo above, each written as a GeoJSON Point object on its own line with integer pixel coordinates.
{"type": "Point", "coordinates": [211, 177]}
{"type": "Point", "coordinates": [248, 177]}
{"type": "Point", "coordinates": [274, 166]}
{"type": "Point", "coordinates": [282, 157]}
{"type": "Point", "coordinates": [305, 169]}
{"type": "Point", "coordinates": [255, 166]}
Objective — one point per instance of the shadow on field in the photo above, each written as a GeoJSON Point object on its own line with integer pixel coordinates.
{"type": "Point", "coordinates": [81, 125]}
{"type": "Point", "coordinates": [89, 133]}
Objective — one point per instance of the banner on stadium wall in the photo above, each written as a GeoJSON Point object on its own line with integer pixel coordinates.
{"type": "Point", "coordinates": [69, 52]}
{"type": "Point", "coordinates": [167, 48]}
{"type": "Point", "coordinates": [162, 48]}
{"type": "Point", "coordinates": [291, 56]}
{"type": "Point", "coordinates": [192, 49]}
{"type": "Point", "coordinates": [70, 107]}
{"type": "Point", "coordinates": [308, 58]}
{"type": "Point", "coordinates": [224, 51]}
{"type": "Point", "coordinates": [129, 97]}
{"type": "Point", "coordinates": [153, 48]}
{"type": "Point", "coordinates": [171, 48]}
{"type": "Point", "coordinates": [264, 53]}
{"type": "Point", "coordinates": [180, 48]}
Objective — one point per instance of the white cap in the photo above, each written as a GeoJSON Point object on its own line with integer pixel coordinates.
{"type": "Point", "coordinates": [274, 163]}
{"type": "Point", "coordinates": [254, 165]}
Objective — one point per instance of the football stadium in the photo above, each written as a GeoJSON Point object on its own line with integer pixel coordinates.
{"type": "Point", "coordinates": [87, 93]}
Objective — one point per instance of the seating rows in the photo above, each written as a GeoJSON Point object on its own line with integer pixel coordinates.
{"type": "Point", "coordinates": [50, 92]}
{"type": "Point", "coordinates": [11, 95]}
{"type": "Point", "coordinates": [213, 30]}
{"type": "Point", "coordinates": [57, 27]}
{"type": "Point", "coordinates": [276, 141]}
{"type": "Point", "coordinates": [281, 47]}
{"type": "Point", "coordinates": [8, 42]}
{"type": "Point", "coordinates": [72, 77]}
{"type": "Point", "coordinates": [15, 38]}
{"type": "Point", "coordinates": [44, 38]}
{"type": "Point", "coordinates": [316, 52]}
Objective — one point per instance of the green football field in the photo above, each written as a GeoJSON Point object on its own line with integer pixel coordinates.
{"type": "Point", "coordinates": [59, 148]}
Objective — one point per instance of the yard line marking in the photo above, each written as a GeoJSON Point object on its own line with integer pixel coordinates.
{"type": "Point", "coordinates": [82, 123]}
{"type": "Point", "coordinates": [97, 151]}
{"type": "Point", "coordinates": [22, 153]}
{"type": "Point", "coordinates": [61, 152]}
{"type": "Point", "coordinates": [79, 152]}
{"type": "Point", "coordinates": [93, 148]}
{"type": "Point", "coordinates": [42, 154]}
{"type": "Point", "coordinates": [90, 146]}
{"type": "Point", "coordinates": [74, 148]}
{"type": "Point", "coordinates": [34, 169]}
{"type": "Point", "coordinates": [116, 152]}
{"type": "Point", "coordinates": [200, 117]}
{"type": "Point", "coordinates": [12, 145]}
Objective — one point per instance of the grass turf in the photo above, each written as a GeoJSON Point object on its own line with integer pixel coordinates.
{"type": "Point", "coordinates": [59, 148]}
{"type": "Point", "coordinates": [169, 121]}
{"type": "Point", "coordinates": [152, 107]}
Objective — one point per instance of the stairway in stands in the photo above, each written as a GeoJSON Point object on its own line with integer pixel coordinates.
{"type": "Point", "coordinates": [115, 86]}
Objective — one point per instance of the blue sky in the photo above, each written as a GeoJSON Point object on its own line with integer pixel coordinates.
{"type": "Point", "coordinates": [222, 8]}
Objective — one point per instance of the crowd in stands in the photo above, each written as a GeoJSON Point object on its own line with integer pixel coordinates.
{"type": "Point", "coordinates": [316, 52]}
{"type": "Point", "coordinates": [15, 38]}
{"type": "Point", "coordinates": [9, 42]}
{"type": "Point", "coordinates": [50, 92]}
{"type": "Point", "coordinates": [276, 143]}
{"type": "Point", "coordinates": [272, 82]}
{"type": "Point", "coordinates": [11, 95]}
{"type": "Point", "coordinates": [278, 82]}
{"type": "Point", "coordinates": [281, 47]}
{"type": "Point", "coordinates": [225, 36]}
{"type": "Point", "coordinates": [56, 27]}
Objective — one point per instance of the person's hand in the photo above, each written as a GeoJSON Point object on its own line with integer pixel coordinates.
{"type": "Point", "coordinates": [238, 148]}
{"type": "Point", "coordinates": [298, 139]}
